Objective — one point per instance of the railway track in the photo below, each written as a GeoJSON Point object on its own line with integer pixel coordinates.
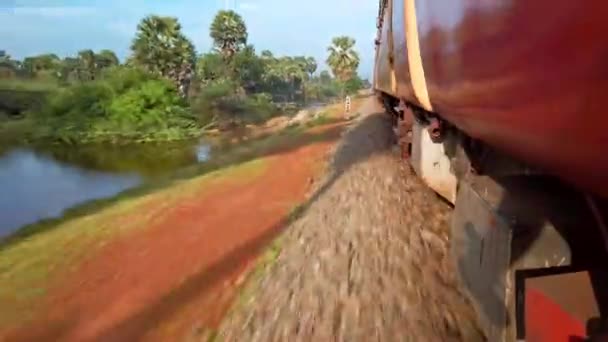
{"type": "Point", "coordinates": [367, 261]}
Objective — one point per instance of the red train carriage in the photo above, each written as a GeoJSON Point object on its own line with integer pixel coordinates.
{"type": "Point", "coordinates": [500, 104]}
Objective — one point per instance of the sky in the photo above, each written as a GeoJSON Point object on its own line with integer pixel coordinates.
{"type": "Point", "coordinates": [285, 27]}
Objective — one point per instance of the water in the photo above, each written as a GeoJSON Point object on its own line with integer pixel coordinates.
{"type": "Point", "coordinates": [39, 184]}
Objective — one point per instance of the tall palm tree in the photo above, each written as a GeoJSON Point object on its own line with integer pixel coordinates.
{"type": "Point", "coordinates": [228, 32]}
{"type": "Point", "coordinates": [343, 59]}
{"type": "Point", "coordinates": [311, 66]}
{"type": "Point", "coordinates": [161, 48]}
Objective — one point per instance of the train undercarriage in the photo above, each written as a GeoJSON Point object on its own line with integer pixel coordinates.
{"type": "Point", "coordinates": [530, 250]}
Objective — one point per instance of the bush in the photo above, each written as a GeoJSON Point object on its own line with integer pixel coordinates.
{"type": "Point", "coordinates": [208, 103]}
{"type": "Point", "coordinates": [353, 85]}
{"type": "Point", "coordinates": [124, 104]}
{"type": "Point", "coordinates": [219, 101]}
{"type": "Point", "coordinates": [259, 108]}
{"type": "Point", "coordinates": [85, 100]}
{"type": "Point", "coordinates": [121, 78]}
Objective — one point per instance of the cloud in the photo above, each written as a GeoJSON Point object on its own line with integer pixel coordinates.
{"type": "Point", "coordinates": [54, 12]}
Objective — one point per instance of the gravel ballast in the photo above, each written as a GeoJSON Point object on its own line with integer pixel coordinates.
{"type": "Point", "coordinates": [367, 260]}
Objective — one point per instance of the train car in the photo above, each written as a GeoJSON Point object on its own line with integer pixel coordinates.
{"type": "Point", "coordinates": [498, 106]}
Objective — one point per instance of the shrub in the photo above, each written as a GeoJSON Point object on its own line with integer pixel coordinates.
{"type": "Point", "coordinates": [209, 102]}
{"type": "Point", "coordinates": [259, 107]}
{"type": "Point", "coordinates": [123, 104]}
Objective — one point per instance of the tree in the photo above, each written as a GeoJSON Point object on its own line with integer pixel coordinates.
{"type": "Point", "coordinates": [87, 64]}
{"type": "Point", "coordinates": [69, 66]}
{"type": "Point", "coordinates": [266, 55]}
{"type": "Point", "coordinates": [211, 67]}
{"type": "Point", "coordinates": [106, 59]}
{"type": "Point", "coordinates": [161, 48]}
{"type": "Point", "coordinates": [8, 67]}
{"type": "Point", "coordinates": [42, 64]}
{"type": "Point", "coordinates": [228, 32]}
{"type": "Point", "coordinates": [343, 59]}
{"type": "Point", "coordinates": [325, 77]}
{"type": "Point", "coordinates": [353, 85]}
{"type": "Point", "coordinates": [311, 66]}
{"type": "Point", "coordinates": [249, 68]}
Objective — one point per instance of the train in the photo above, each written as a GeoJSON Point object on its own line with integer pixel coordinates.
{"type": "Point", "coordinates": [498, 106]}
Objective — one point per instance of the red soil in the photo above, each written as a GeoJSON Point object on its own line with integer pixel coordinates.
{"type": "Point", "coordinates": [179, 275]}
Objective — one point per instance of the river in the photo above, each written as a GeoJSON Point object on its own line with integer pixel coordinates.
{"type": "Point", "coordinates": [42, 183]}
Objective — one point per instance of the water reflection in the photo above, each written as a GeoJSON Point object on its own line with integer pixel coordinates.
{"type": "Point", "coordinates": [38, 184]}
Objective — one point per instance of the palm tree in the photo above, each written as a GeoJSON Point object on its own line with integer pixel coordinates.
{"type": "Point", "coordinates": [311, 66]}
{"type": "Point", "coordinates": [228, 32]}
{"type": "Point", "coordinates": [343, 59]}
{"type": "Point", "coordinates": [293, 72]}
{"type": "Point", "coordinates": [8, 67]}
{"type": "Point", "coordinates": [161, 48]}
{"type": "Point", "coordinates": [88, 65]}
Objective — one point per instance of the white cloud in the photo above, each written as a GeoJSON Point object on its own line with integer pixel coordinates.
{"type": "Point", "coordinates": [54, 12]}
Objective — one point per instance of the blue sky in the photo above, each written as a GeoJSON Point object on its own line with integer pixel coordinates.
{"type": "Point", "coordinates": [286, 27]}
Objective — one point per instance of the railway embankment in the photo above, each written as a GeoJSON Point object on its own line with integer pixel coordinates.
{"type": "Point", "coordinates": [367, 259]}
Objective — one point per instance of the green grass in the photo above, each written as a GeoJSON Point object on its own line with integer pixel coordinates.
{"type": "Point", "coordinates": [30, 265]}
{"type": "Point", "coordinates": [28, 84]}
{"type": "Point", "coordinates": [14, 132]}
{"type": "Point", "coordinates": [40, 255]}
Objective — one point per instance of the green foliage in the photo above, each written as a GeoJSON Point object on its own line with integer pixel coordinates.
{"type": "Point", "coordinates": [219, 102]}
{"type": "Point", "coordinates": [353, 85]}
{"type": "Point", "coordinates": [162, 49]}
{"type": "Point", "coordinates": [127, 104]}
{"type": "Point", "coordinates": [211, 67]}
{"type": "Point", "coordinates": [92, 97]}
{"type": "Point", "coordinates": [249, 68]}
{"type": "Point", "coordinates": [228, 32]}
{"type": "Point", "coordinates": [260, 107]}
{"type": "Point", "coordinates": [106, 59]}
{"type": "Point", "coordinates": [343, 59]}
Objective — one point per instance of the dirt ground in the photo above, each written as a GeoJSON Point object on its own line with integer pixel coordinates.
{"type": "Point", "coordinates": [179, 275]}
{"type": "Point", "coordinates": [367, 261]}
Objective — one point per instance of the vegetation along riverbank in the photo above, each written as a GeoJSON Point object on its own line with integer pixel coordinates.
{"type": "Point", "coordinates": [164, 90]}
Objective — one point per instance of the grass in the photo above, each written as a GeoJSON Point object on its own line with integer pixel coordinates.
{"type": "Point", "coordinates": [28, 84]}
{"type": "Point", "coordinates": [30, 265]}
{"type": "Point", "coordinates": [13, 131]}
{"type": "Point", "coordinates": [37, 257]}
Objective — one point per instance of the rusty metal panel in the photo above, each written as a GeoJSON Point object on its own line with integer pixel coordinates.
{"type": "Point", "coordinates": [528, 77]}
{"type": "Point", "coordinates": [562, 304]}
{"type": "Point", "coordinates": [481, 243]}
